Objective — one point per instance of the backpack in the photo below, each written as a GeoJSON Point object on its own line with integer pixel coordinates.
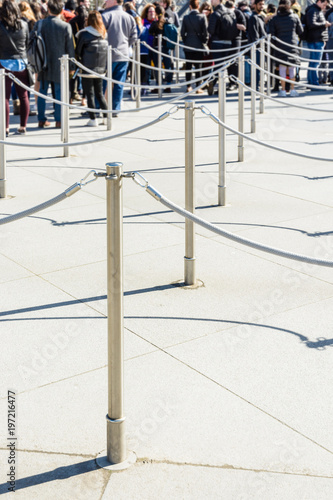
{"type": "Point", "coordinates": [228, 25]}
{"type": "Point", "coordinates": [170, 31]}
{"type": "Point", "coordinates": [36, 52]}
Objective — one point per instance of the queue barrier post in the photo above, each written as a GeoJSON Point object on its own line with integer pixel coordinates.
{"type": "Point", "coordinates": [241, 108]}
{"type": "Point", "coordinates": [3, 188]}
{"type": "Point", "coordinates": [189, 259]}
{"type": "Point", "coordinates": [177, 58]}
{"type": "Point", "coordinates": [64, 91]}
{"type": "Point", "coordinates": [253, 87]}
{"type": "Point", "coordinates": [159, 65]}
{"type": "Point", "coordinates": [269, 65]}
{"type": "Point", "coordinates": [109, 88]}
{"type": "Point", "coordinates": [138, 73]}
{"type": "Point", "coordinates": [222, 140]}
{"type": "Point", "coordinates": [262, 75]}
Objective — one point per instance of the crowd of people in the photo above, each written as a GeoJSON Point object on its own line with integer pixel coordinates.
{"type": "Point", "coordinates": [210, 32]}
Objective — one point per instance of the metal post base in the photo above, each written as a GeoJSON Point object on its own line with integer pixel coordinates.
{"type": "Point", "coordinates": [222, 196]}
{"type": "Point", "coordinates": [116, 442]}
{"type": "Point", "coordinates": [3, 190]}
{"type": "Point", "coordinates": [102, 461]}
{"type": "Point", "coordinates": [240, 153]}
{"type": "Point", "coordinates": [253, 126]}
{"type": "Point", "coordinates": [189, 271]}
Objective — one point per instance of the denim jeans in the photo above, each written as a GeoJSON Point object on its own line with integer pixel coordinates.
{"type": "Point", "coordinates": [315, 61]}
{"type": "Point", "coordinates": [329, 46]}
{"type": "Point", "coordinates": [41, 103]}
{"type": "Point", "coordinates": [119, 71]}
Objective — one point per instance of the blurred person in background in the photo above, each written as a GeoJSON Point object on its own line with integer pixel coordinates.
{"type": "Point", "coordinates": [91, 50]}
{"type": "Point", "coordinates": [286, 27]}
{"type": "Point", "coordinates": [148, 15]}
{"type": "Point", "coordinates": [194, 33]}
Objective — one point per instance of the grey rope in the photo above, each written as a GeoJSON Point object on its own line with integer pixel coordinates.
{"type": "Point", "coordinates": [306, 85]}
{"type": "Point", "coordinates": [221, 59]}
{"type": "Point", "coordinates": [174, 109]}
{"type": "Point", "coordinates": [285, 63]}
{"type": "Point", "coordinates": [302, 48]}
{"type": "Point", "coordinates": [226, 234]}
{"type": "Point", "coordinates": [210, 50]}
{"type": "Point", "coordinates": [215, 119]}
{"type": "Point", "coordinates": [66, 194]}
{"type": "Point", "coordinates": [284, 102]}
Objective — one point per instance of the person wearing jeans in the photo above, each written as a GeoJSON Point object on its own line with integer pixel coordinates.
{"type": "Point", "coordinates": [41, 103]}
{"type": "Point", "coordinates": [119, 71]}
{"type": "Point", "coordinates": [316, 52]}
{"type": "Point", "coordinates": [317, 36]}
{"type": "Point", "coordinates": [121, 33]}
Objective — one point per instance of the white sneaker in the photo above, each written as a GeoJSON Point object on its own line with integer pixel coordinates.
{"type": "Point", "coordinates": [294, 93]}
{"type": "Point", "coordinates": [282, 93]}
{"type": "Point", "coordinates": [92, 123]}
{"type": "Point", "coordinates": [103, 122]}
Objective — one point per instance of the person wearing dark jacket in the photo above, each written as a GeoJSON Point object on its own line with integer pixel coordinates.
{"type": "Point", "coordinates": [57, 36]}
{"type": "Point", "coordinates": [222, 38]}
{"type": "Point", "coordinates": [317, 36]}
{"type": "Point", "coordinates": [256, 22]}
{"type": "Point", "coordinates": [286, 26]}
{"type": "Point", "coordinates": [92, 49]}
{"type": "Point", "coordinates": [14, 36]}
{"type": "Point", "coordinates": [194, 33]}
{"type": "Point", "coordinates": [256, 30]}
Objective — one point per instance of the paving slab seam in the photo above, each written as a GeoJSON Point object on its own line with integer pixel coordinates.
{"type": "Point", "coordinates": [226, 467]}
{"type": "Point", "coordinates": [263, 257]}
{"type": "Point", "coordinates": [282, 194]}
{"type": "Point", "coordinates": [234, 393]}
{"type": "Point", "coordinates": [43, 452]}
{"type": "Point", "coordinates": [86, 372]}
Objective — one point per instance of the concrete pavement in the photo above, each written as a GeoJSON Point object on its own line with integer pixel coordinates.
{"type": "Point", "coordinates": [228, 387]}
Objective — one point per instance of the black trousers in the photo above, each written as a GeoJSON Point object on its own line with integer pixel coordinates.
{"type": "Point", "coordinates": [194, 56]}
{"type": "Point", "coordinates": [93, 88]}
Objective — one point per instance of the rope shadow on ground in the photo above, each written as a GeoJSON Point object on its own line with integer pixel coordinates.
{"type": "Point", "coordinates": [60, 473]}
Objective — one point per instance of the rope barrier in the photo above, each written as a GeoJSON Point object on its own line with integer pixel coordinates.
{"type": "Point", "coordinates": [156, 68]}
{"type": "Point", "coordinates": [46, 204]}
{"type": "Point", "coordinates": [304, 59]}
{"type": "Point", "coordinates": [173, 85]}
{"type": "Point", "coordinates": [162, 117]}
{"type": "Point", "coordinates": [290, 64]}
{"type": "Point", "coordinates": [208, 113]}
{"type": "Point", "coordinates": [234, 56]}
{"type": "Point", "coordinates": [221, 232]}
{"type": "Point", "coordinates": [302, 48]}
{"type": "Point", "coordinates": [211, 50]}
{"type": "Point", "coordinates": [307, 85]}
{"type": "Point", "coordinates": [284, 102]}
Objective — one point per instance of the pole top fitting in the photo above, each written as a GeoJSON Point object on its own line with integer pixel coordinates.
{"type": "Point", "coordinates": [114, 164]}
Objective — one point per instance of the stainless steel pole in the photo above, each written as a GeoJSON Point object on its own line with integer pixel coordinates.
{"type": "Point", "coordinates": [253, 87]}
{"type": "Point", "coordinates": [222, 142]}
{"type": "Point", "coordinates": [269, 65]}
{"type": "Point", "coordinates": [241, 109]}
{"type": "Point", "coordinates": [3, 180]}
{"type": "Point", "coordinates": [109, 88]}
{"type": "Point", "coordinates": [116, 444]}
{"type": "Point", "coordinates": [138, 74]}
{"type": "Point", "coordinates": [64, 77]}
{"type": "Point", "coordinates": [177, 59]}
{"type": "Point", "coordinates": [159, 64]}
{"type": "Point", "coordinates": [189, 259]}
{"type": "Point", "coordinates": [262, 74]}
